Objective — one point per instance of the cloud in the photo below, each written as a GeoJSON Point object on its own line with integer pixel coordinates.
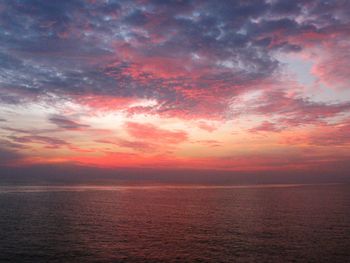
{"type": "Point", "coordinates": [266, 126]}
{"type": "Point", "coordinates": [149, 132]}
{"type": "Point", "coordinates": [137, 145]}
{"type": "Point", "coordinates": [209, 143]}
{"type": "Point", "coordinates": [12, 145]}
{"type": "Point", "coordinates": [184, 55]}
{"type": "Point", "coordinates": [135, 66]}
{"type": "Point", "coordinates": [48, 142]}
{"type": "Point", "coordinates": [289, 109]}
{"type": "Point", "coordinates": [65, 123]}
{"type": "Point", "coordinates": [338, 135]}
{"type": "Point", "coordinates": [325, 135]}
{"type": "Point", "coordinates": [332, 68]}
{"type": "Point", "coordinates": [207, 127]}
{"type": "Point", "coordinates": [147, 138]}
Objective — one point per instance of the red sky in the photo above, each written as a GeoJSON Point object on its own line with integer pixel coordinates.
{"type": "Point", "coordinates": [245, 86]}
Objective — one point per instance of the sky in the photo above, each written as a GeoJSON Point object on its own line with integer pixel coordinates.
{"type": "Point", "coordinates": [241, 86]}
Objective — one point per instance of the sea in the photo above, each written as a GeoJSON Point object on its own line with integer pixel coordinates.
{"type": "Point", "coordinates": [175, 223]}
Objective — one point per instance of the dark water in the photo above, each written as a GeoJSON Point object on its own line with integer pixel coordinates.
{"type": "Point", "coordinates": [173, 224]}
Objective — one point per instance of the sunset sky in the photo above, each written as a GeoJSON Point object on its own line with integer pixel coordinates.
{"type": "Point", "coordinates": [225, 85]}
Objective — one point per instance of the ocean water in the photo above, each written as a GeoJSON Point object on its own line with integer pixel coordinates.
{"type": "Point", "coordinates": [271, 223]}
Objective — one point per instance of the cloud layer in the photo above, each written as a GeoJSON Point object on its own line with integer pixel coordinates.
{"type": "Point", "coordinates": [161, 82]}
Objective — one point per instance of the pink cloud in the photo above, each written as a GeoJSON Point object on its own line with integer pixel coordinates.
{"type": "Point", "coordinates": [105, 103]}
{"type": "Point", "coordinates": [266, 126]}
{"type": "Point", "coordinates": [293, 109]}
{"type": "Point", "coordinates": [333, 66]}
{"type": "Point", "coordinates": [137, 145]}
{"type": "Point", "coordinates": [152, 133]}
{"type": "Point", "coordinates": [207, 127]}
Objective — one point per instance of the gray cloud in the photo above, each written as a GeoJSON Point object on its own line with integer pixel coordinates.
{"type": "Point", "coordinates": [65, 123]}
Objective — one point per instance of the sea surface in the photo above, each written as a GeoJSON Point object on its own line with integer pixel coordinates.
{"type": "Point", "coordinates": [263, 223]}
